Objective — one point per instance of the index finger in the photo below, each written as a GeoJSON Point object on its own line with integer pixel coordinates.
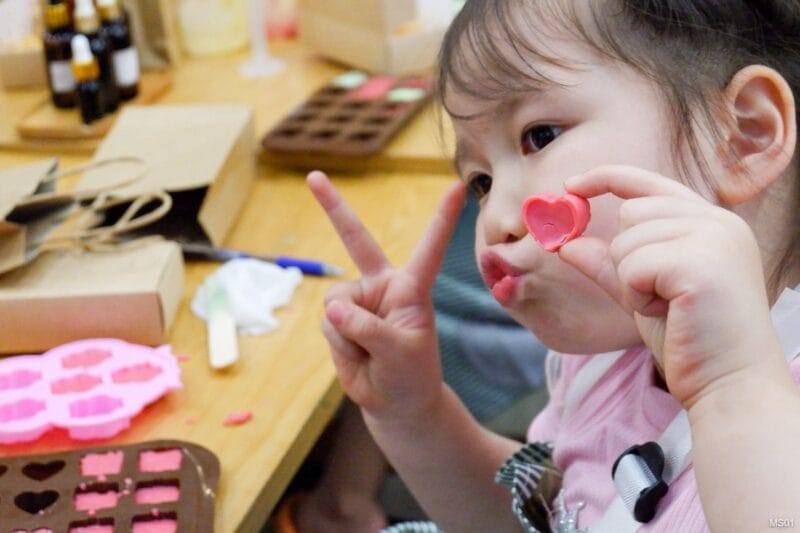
{"type": "Point", "coordinates": [427, 258]}
{"type": "Point", "coordinates": [627, 182]}
{"type": "Point", "coordinates": [366, 253]}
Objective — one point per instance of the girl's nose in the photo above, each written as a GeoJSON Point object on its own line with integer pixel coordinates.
{"type": "Point", "coordinates": [502, 217]}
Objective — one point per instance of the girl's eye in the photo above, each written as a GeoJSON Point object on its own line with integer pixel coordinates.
{"type": "Point", "coordinates": [479, 185]}
{"type": "Point", "coordinates": [537, 137]}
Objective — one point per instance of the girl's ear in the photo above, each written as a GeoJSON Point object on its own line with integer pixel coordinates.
{"type": "Point", "coordinates": [762, 132]}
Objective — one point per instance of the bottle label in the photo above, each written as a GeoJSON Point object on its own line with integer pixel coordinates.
{"type": "Point", "coordinates": [61, 78]}
{"type": "Point", "coordinates": [126, 67]}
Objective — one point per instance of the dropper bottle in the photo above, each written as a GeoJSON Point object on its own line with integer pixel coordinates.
{"type": "Point", "coordinates": [87, 72]}
{"type": "Point", "coordinates": [125, 57]}
{"type": "Point", "coordinates": [58, 55]}
{"type": "Point", "coordinates": [88, 23]}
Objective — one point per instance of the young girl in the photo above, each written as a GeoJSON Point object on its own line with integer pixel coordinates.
{"type": "Point", "coordinates": [677, 120]}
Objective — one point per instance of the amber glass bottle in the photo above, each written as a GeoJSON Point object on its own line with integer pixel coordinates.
{"type": "Point", "coordinates": [126, 59]}
{"type": "Point", "coordinates": [88, 23]}
{"type": "Point", "coordinates": [87, 73]}
{"type": "Point", "coordinates": [58, 54]}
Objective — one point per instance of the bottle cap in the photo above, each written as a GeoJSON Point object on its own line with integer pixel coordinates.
{"type": "Point", "coordinates": [109, 9]}
{"type": "Point", "coordinates": [86, 20]}
{"type": "Point", "coordinates": [56, 16]}
{"type": "Point", "coordinates": [84, 65]}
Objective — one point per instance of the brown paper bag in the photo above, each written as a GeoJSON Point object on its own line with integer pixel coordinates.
{"type": "Point", "coordinates": [17, 184]}
{"type": "Point", "coordinates": [31, 210]}
{"type": "Point", "coordinates": [155, 32]}
{"type": "Point", "coordinates": [203, 155]}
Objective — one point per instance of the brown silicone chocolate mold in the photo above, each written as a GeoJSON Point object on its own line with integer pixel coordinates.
{"type": "Point", "coordinates": [354, 115]}
{"type": "Point", "coordinates": [152, 487]}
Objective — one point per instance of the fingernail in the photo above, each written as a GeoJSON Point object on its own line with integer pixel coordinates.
{"type": "Point", "coordinates": [335, 312]}
{"type": "Point", "coordinates": [570, 181]}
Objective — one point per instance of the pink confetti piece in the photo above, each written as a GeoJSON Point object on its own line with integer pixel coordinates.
{"type": "Point", "coordinates": [237, 419]}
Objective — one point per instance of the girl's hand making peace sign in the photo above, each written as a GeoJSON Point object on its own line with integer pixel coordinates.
{"type": "Point", "coordinates": [381, 327]}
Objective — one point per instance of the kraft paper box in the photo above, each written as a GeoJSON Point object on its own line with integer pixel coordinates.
{"type": "Point", "coordinates": [22, 67]}
{"type": "Point", "coordinates": [203, 155]}
{"type": "Point", "coordinates": [66, 294]}
{"type": "Point", "coordinates": [379, 16]}
{"type": "Point", "coordinates": [379, 36]}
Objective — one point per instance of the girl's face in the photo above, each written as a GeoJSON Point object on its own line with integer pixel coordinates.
{"type": "Point", "coordinates": [599, 113]}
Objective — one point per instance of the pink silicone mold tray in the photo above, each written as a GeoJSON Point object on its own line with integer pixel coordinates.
{"type": "Point", "coordinates": [92, 388]}
{"type": "Point", "coordinates": [163, 486]}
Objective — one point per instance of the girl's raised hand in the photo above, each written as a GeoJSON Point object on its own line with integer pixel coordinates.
{"type": "Point", "coordinates": [688, 271]}
{"type": "Point", "coordinates": [381, 327]}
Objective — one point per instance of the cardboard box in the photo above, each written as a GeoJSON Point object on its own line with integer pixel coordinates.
{"type": "Point", "coordinates": [203, 155]}
{"type": "Point", "coordinates": [22, 68]}
{"type": "Point", "coordinates": [378, 16]}
{"type": "Point", "coordinates": [154, 29]}
{"type": "Point", "coordinates": [66, 295]}
{"type": "Point", "coordinates": [379, 36]}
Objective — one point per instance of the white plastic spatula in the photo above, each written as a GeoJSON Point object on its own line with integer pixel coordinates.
{"type": "Point", "coordinates": [261, 64]}
{"type": "Point", "coordinates": [223, 348]}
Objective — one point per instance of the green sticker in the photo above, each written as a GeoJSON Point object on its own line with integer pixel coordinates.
{"type": "Point", "coordinates": [350, 80]}
{"type": "Point", "coordinates": [405, 94]}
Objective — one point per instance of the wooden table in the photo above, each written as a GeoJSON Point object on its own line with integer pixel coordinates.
{"type": "Point", "coordinates": [286, 377]}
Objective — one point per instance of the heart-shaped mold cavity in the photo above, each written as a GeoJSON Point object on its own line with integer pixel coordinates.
{"type": "Point", "coordinates": [94, 406]}
{"type": "Point", "coordinates": [135, 374]}
{"type": "Point", "coordinates": [18, 379]}
{"type": "Point", "coordinates": [42, 471]}
{"type": "Point", "coordinates": [35, 502]}
{"type": "Point", "coordinates": [73, 384]}
{"type": "Point", "coordinates": [20, 410]}
{"type": "Point", "coordinates": [86, 358]}
{"type": "Point", "coordinates": [555, 220]}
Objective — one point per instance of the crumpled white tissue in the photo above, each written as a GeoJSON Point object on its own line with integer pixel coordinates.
{"type": "Point", "coordinates": [254, 289]}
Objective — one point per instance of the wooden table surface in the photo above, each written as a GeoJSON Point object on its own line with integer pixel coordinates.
{"type": "Point", "coordinates": [286, 377]}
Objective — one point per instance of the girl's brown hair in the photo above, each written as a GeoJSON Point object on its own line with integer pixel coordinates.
{"type": "Point", "coordinates": [690, 48]}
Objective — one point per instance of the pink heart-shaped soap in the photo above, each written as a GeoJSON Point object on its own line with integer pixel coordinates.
{"type": "Point", "coordinates": [555, 220]}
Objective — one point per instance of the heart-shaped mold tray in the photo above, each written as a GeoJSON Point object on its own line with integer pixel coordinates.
{"type": "Point", "coordinates": [92, 388]}
{"type": "Point", "coordinates": [164, 486]}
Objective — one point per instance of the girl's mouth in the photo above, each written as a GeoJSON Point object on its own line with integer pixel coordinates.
{"type": "Point", "coordinates": [505, 289]}
{"type": "Point", "coordinates": [501, 278]}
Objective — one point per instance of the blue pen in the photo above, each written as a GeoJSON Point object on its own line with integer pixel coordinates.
{"type": "Point", "coordinates": [306, 266]}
